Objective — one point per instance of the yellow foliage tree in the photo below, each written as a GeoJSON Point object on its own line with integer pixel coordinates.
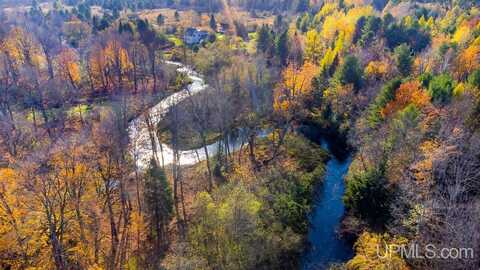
{"type": "Point", "coordinates": [109, 66]}
{"type": "Point", "coordinates": [22, 48]}
{"type": "Point", "coordinates": [377, 252]}
{"type": "Point", "coordinates": [296, 84]}
{"type": "Point", "coordinates": [68, 66]}
{"type": "Point", "coordinates": [313, 46]}
{"type": "Point", "coordinates": [427, 24]}
{"type": "Point", "coordinates": [341, 23]}
{"type": "Point", "coordinates": [468, 61]}
{"type": "Point", "coordinates": [377, 70]}
{"type": "Point", "coordinates": [463, 35]}
{"type": "Point", "coordinates": [331, 54]}
{"type": "Point", "coordinates": [327, 9]}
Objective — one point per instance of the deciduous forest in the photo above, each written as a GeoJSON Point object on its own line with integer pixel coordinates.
{"type": "Point", "coordinates": [239, 134]}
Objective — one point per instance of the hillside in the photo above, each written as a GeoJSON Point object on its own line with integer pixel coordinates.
{"type": "Point", "coordinates": [242, 134]}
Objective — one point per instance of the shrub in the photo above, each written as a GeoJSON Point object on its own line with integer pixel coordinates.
{"type": "Point", "coordinates": [386, 95]}
{"type": "Point", "coordinates": [367, 195]}
{"type": "Point", "coordinates": [404, 59]}
{"type": "Point", "coordinates": [307, 154]}
{"type": "Point", "coordinates": [474, 78]}
{"type": "Point", "coordinates": [371, 252]}
{"type": "Point", "coordinates": [441, 88]}
{"type": "Point", "coordinates": [425, 79]}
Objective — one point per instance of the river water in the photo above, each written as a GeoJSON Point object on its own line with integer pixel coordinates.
{"type": "Point", "coordinates": [140, 142]}
{"type": "Point", "coordinates": [328, 209]}
{"type": "Point", "coordinates": [325, 247]}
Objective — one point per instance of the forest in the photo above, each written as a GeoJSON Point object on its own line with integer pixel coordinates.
{"type": "Point", "coordinates": [239, 134]}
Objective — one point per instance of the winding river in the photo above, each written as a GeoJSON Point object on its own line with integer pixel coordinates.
{"type": "Point", "coordinates": [141, 145]}
{"type": "Point", "coordinates": [328, 209]}
{"type": "Point", "coordinates": [140, 142]}
{"type": "Point", "coordinates": [325, 247]}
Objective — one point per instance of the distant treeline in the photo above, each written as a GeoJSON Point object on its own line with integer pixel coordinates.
{"type": "Point", "coordinates": [205, 5]}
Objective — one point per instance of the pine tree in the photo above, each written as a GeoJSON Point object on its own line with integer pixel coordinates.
{"type": "Point", "coordinates": [160, 19]}
{"type": "Point", "coordinates": [303, 5]}
{"type": "Point", "coordinates": [177, 16]}
{"type": "Point", "coordinates": [278, 23]}
{"type": "Point", "coordinates": [350, 72]}
{"type": "Point", "coordinates": [159, 206]}
{"type": "Point", "coordinates": [213, 22]}
{"type": "Point", "coordinates": [404, 59]}
{"type": "Point", "coordinates": [264, 39]}
{"type": "Point", "coordinates": [281, 47]}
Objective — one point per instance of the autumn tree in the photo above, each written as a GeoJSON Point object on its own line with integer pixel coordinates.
{"type": "Point", "coordinates": [68, 67]}
{"type": "Point", "coordinates": [467, 61]}
{"type": "Point", "coordinates": [313, 46]}
{"type": "Point", "coordinates": [109, 140]}
{"type": "Point", "coordinates": [289, 95]}
{"type": "Point", "coordinates": [110, 67]}
{"type": "Point", "coordinates": [296, 85]}
{"type": "Point", "coordinates": [235, 228]}
{"type": "Point", "coordinates": [408, 93]}
{"type": "Point", "coordinates": [375, 251]}
{"type": "Point", "coordinates": [152, 41]}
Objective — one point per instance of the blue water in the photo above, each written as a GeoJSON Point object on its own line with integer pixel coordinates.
{"type": "Point", "coordinates": [324, 246]}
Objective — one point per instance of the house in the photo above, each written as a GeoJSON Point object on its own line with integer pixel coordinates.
{"type": "Point", "coordinates": [193, 36]}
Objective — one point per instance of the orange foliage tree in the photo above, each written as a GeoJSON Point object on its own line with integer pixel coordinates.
{"type": "Point", "coordinates": [109, 66]}
{"type": "Point", "coordinates": [468, 61]}
{"type": "Point", "coordinates": [407, 93]}
{"type": "Point", "coordinates": [68, 66]}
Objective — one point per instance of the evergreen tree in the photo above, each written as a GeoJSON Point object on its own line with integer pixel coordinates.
{"type": "Point", "coordinates": [213, 22]}
{"type": "Point", "coordinates": [441, 88]}
{"type": "Point", "coordinates": [281, 47]}
{"type": "Point", "coordinates": [177, 16]}
{"type": "Point", "coordinates": [158, 207]}
{"type": "Point", "coordinates": [278, 23]}
{"type": "Point", "coordinates": [303, 5]}
{"type": "Point", "coordinates": [116, 13]}
{"type": "Point", "coordinates": [404, 59]}
{"type": "Point", "coordinates": [350, 72]}
{"type": "Point", "coordinates": [160, 19]}
{"type": "Point", "coordinates": [474, 78]}
{"type": "Point", "coordinates": [264, 38]}
{"type": "Point", "coordinates": [367, 194]}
